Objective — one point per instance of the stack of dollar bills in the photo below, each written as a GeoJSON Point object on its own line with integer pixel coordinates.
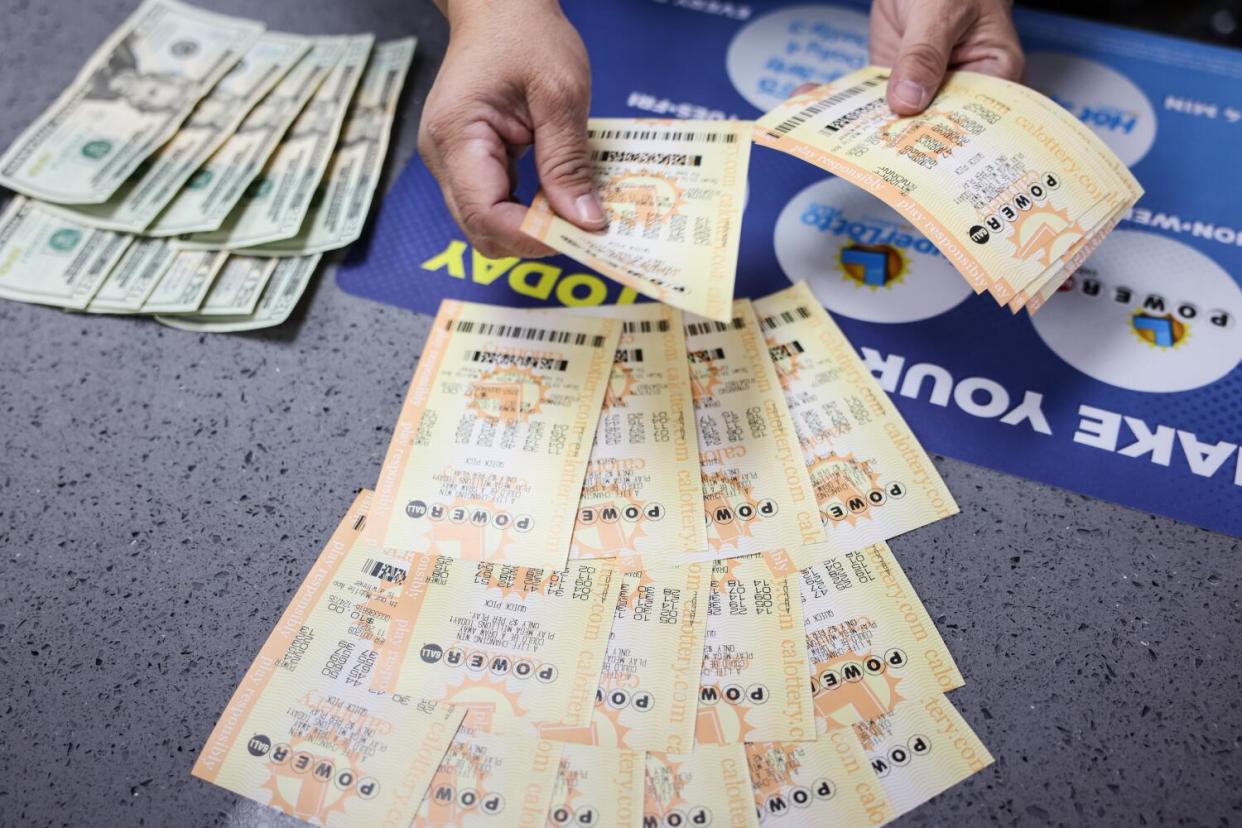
{"type": "Point", "coordinates": [619, 568]}
{"type": "Point", "coordinates": [197, 169]}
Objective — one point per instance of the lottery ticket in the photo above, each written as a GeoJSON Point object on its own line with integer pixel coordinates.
{"type": "Point", "coordinates": [487, 780]}
{"type": "Point", "coordinates": [757, 494]}
{"type": "Point", "coordinates": [647, 696]}
{"type": "Point", "coordinates": [921, 749]}
{"type": "Point", "coordinates": [598, 786]}
{"type": "Point", "coordinates": [673, 192]}
{"type": "Point", "coordinates": [708, 787]}
{"type": "Point", "coordinates": [869, 639]}
{"type": "Point", "coordinates": [1002, 186]}
{"type": "Point", "coordinates": [826, 782]}
{"type": "Point", "coordinates": [304, 734]}
{"type": "Point", "coordinates": [488, 457]}
{"type": "Point", "coordinates": [518, 646]}
{"type": "Point", "coordinates": [872, 479]}
{"type": "Point", "coordinates": [643, 498]}
{"type": "Point", "coordinates": [753, 686]}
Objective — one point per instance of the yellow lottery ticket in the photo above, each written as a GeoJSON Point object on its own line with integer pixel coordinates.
{"type": "Point", "coordinates": [673, 192]}
{"type": "Point", "coordinates": [598, 786]}
{"type": "Point", "coordinates": [648, 688]}
{"type": "Point", "coordinates": [753, 686]}
{"type": "Point", "coordinates": [869, 638]}
{"type": "Point", "coordinates": [642, 498]}
{"type": "Point", "coordinates": [514, 644]}
{"type": "Point", "coordinates": [921, 749]}
{"type": "Point", "coordinates": [756, 492]}
{"type": "Point", "coordinates": [708, 787]}
{"type": "Point", "coordinates": [827, 782]}
{"type": "Point", "coordinates": [488, 456]}
{"type": "Point", "coordinates": [1002, 186]}
{"type": "Point", "coordinates": [304, 734]}
{"type": "Point", "coordinates": [489, 780]}
{"type": "Point", "coordinates": [872, 479]}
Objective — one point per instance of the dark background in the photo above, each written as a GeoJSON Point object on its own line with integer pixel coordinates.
{"type": "Point", "coordinates": [1213, 21]}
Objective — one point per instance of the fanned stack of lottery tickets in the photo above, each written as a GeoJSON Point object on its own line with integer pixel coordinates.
{"type": "Point", "coordinates": [625, 569]}
{"type": "Point", "coordinates": [197, 168]}
{"type": "Point", "coordinates": [1014, 190]}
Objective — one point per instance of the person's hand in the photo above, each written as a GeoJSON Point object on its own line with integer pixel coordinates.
{"type": "Point", "coordinates": [515, 74]}
{"type": "Point", "coordinates": [922, 39]}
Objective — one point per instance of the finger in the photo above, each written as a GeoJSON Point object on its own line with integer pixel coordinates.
{"type": "Point", "coordinates": [926, 45]}
{"type": "Point", "coordinates": [802, 89]}
{"type": "Point", "coordinates": [476, 180]}
{"type": "Point", "coordinates": [564, 164]}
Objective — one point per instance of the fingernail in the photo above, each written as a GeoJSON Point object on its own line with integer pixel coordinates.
{"type": "Point", "coordinates": [909, 93]}
{"type": "Point", "coordinates": [589, 211]}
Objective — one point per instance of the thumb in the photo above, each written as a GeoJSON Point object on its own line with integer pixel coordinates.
{"type": "Point", "coordinates": [921, 62]}
{"type": "Point", "coordinates": [565, 170]}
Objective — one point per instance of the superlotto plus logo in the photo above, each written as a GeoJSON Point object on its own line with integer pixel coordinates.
{"type": "Point", "coordinates": [861, 258]}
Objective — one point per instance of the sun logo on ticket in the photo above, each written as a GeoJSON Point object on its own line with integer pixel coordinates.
{"type": "Point", "coordinates": [853, 687]}
{"type": "Point", "coordinates": [1042, 233]}
{"type": "Point", "coordinates": [787, 359]}
{"type": "Point", "coordinates": [642, 198]}
{"type": "Point", "coordinates": [848, 489]}
{"type": "Point", "coordinates": [508, 395]}
{"type": "Point", "coordinates": [619, 387]}
{"type": "Point", "coordinates": [305, 783]}
{"type": "Point", "coordinates": [923, 139]}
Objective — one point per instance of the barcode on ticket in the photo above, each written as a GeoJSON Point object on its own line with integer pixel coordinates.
{"type": "Point", "coordinates": [526, 333]}
{"type": "Point", "coordinates": [659, 159]}
{"type": "Point", "coordinates": [700, 328]}
{"type": "Point", "coordinates": [662, 135]}
{"type": "Point", "coordinates": [787, 350]}
{"type": "Point", "coordinates": [785, 318]}
{"type": "Point", "coordinates": [629, 355]}
{"type": "Point", "coordinates": [706, 355]}
{"type": "Point", "coordinates": [384, 571]}
{"type": "Point", "coordinates": [645, 326]}
{"type": "Point", "coordinates": [824, 105]}
{"type": "Point", "coordinates": [544, 363]}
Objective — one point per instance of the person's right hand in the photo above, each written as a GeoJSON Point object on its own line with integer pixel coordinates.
{"type": "Point", "coordinates": [515, 74]}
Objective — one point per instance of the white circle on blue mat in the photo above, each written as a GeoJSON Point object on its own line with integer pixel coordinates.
{"type": "Point", "coordinates": [774, 54]}
{"type": "Point", "coordinates": [1139, 315]}
{"type": "Point", "coordinates": [1099, 96]}
{"type": "Point", "coordinates": [861, 258]}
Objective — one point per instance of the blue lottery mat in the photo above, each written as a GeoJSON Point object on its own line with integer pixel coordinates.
{"type": "Point", "coordinates": [1126, 386]}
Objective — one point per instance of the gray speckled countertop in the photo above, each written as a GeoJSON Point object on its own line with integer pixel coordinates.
{"type": "Point", "coordinates": [162, 494]}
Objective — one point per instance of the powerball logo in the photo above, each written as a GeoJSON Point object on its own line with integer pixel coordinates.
{"type": "Point", "coordinates": [861, 258]}
{"type": "Point", "coordinates": [1146, 313]}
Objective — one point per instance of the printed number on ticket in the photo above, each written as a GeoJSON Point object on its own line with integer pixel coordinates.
{"type": "Point", "coordinates": [754, 684]}
{"type": "Point", "coordinates": [756, 492]}
{"type": "Point", "coordinates": [642, 500]}
{"type": "Point", "coordinates": [872, 479]}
